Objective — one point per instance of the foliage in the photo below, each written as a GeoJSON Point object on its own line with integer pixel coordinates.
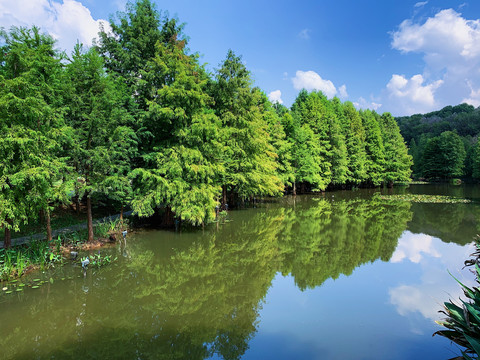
{"type": "Point", "coordinates": [423, 132]}
{"type": "Point", "coordinates": [15, 261]}
{"type": "Point", "coordinates": [247, 155]}
{"type": "Point", "coordinates": [463, 321]}
{"type": "Point", "coordinates": [33, 169]}
{"type": "Point", "coordinates": [136, 121]}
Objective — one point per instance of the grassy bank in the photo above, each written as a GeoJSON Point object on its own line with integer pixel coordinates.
{"type": "Point", "coordinates": [40, 254]}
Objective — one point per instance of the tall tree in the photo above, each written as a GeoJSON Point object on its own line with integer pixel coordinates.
{"type": "Point", "coordinates": [32, 171]}
{"type": "Point", "coordinates": [355, 140]}
{"type": "Point", "coordinates": [397, 160]}
{"type": "Point", "coordinates": [339, 156]}
{"type": "Point", "coordinates": [102, 137]}
{"type": "Point", "coordinates": [183, 161]}
{"type": "Point", "coordinates": [248, 156]}
{"type": "Point", "coordinates": [311, 110]}
{"type": "Point", "coordinates": [375, 164]}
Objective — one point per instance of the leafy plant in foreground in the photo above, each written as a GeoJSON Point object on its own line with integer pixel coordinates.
{"type": "Point", "coordinates": [463, 322]}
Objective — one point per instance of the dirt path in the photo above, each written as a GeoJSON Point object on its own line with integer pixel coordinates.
{"type": "Point", "coordinates": [25, 239]}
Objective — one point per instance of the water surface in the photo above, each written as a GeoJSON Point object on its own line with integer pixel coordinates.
{"type": "Point", "coordinates": [343, 275]}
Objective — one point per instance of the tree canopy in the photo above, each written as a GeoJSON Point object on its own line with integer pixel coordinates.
{"type": "Point", "coordinates": [137, 121]}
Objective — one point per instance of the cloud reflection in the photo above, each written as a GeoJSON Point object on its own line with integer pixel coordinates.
{"type": "Point", "coordinates": [411, 246]}
{"type": "Point", "coordinates": [435, 285]}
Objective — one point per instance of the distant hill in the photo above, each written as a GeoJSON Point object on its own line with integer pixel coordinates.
{"type": "Point", "coordinates": [463, 118]}
{"type": "Point", "coordinates": [443, 143]}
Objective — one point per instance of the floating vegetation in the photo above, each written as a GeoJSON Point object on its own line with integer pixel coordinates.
{"type": "Point", "coordinates": [434, 199]}
{"type": "Point", "coordinates": [96, 260]}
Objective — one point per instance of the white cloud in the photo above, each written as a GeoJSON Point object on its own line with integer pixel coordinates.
{"type": "Point", "coordinates": [66, 22]}
{"type": "Point", "coordinates": [421, 4]}
{"type": "Point", "coordinates": [474, 97]}
{"type": "Point", "coordinates": [411, 95]}
{"type": "Point", "coordinates": [447, 35]}
{"type": "Point", "coordinates": [450, 45]}
{"type": "Point", "coordinates": [361, 103]}
{"type": "Point", "coordinates": [304, 34]}
{"type": "Point", "coordinates": [310, 80]}
{"type": "Point", "coordinates": [342, 91]}
{"type": "Point", "coordinates": [275, 97]}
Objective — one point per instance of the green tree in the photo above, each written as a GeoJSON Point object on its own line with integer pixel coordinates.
{"type": "Point", "coordinates": [355, 141]}
{"type": "Point", "coordinates": [311, 110]}
{"type": "Point", "coordinates": [444, 156]}
{"type": "Point", "coordinates": [397, 160]}
{"type": "Point", "coordinates": [102, 138]}
{"type": "Point", "coordinates": [375, 164]}
{"type": "Point", "coordinates": [248, 155]}
{"type": "Point", "coordinates": [32, 171]}
{"type": "Point", "coordinates": [183, 162]}
{"type": "Point", "coordinates": [339, 156]}
{"type": "Point", "coordinates": [476, 161]}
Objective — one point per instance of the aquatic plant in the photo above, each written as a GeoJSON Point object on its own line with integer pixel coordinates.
{"type": "Point", "coordinates": [97, 260]}
{"type": "Point", "coordinates": [463, 320]}
{"type": "Point", "coordinates": [417, 198]}
{"type": "Point", "coordinates": [15, 261]}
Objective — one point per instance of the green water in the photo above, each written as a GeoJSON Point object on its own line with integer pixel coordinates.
{"type": "Point", "coordinates": [339, 276]}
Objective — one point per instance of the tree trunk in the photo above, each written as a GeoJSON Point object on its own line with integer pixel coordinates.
{"type": "Point", "coordinates": [89, 218]}
{"type": "Point", "coordinates": [224, 197]}
{"type": "Point", "coordinates": [121, 215]}
{"type": "Point", "coordinates": [7, 243]}
{"type": "Point", "coordinates": [77, 204]}
{"type": "Point", "coordinates": [49, 225]}
{"type": "Point", "coordinates": [168, 218]}
{"type": "Point", "coordinates": [294, 188]}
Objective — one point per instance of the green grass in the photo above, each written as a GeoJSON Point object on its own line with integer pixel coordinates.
{"type": "Point", "coordinates": [16, 260]}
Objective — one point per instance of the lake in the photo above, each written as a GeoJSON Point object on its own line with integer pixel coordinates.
{"type": "Point", "coordinates": [343, 275]}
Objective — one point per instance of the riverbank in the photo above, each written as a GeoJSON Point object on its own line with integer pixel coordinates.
{"type": "Point", "coordinates": [30, 253]}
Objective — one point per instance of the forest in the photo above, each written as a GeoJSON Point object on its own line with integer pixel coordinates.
{"type": "Point", "coordinates": [137, 122]}
{"type": "Point", "coordinates": [444, 144]}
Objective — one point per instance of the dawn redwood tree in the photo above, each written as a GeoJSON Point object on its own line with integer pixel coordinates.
{"type": "Point", "coordinates": [354, 133]}
{"type": "Point", "coordinates": [32, 170]}
{"type": "Point", "coordinates": [248, 157]}
{"type": "Point", "coordinates": [310, 109]}
{"type": "Point", "coordinates": [279, 141]}
{"type": "Point", "coordinates": [102, 138]}
{"type": "Point", "coordinates": [128, 48]}
{"type": "Point", "coordinates": [398, 162]}
{"type": "Point", "coordinates": [183, 161]}
{"type": "Point", "coordinates": [339, 155]}
{"type": "Point", "coordinates": [375, 151]}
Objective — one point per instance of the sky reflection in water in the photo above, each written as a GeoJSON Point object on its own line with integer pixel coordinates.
{"type": "Point", "coordinates": [339, 276]}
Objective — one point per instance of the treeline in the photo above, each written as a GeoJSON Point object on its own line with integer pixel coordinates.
{"type": "Point", "coordinates": [137, 121]}
{"type": "Point", "coordinates": [444, 144]}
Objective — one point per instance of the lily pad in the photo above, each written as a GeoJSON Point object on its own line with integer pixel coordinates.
{"type": "Point", "coordinates": [36, 280]}
{"type": "Point", "coordinates": [35, 287]}
{"type": "Point", "coordinates": [20, 289]}
{"type": "Point", "coordinates": [8, 292]}
{"type": "Point", "coordinates": [432, 199]}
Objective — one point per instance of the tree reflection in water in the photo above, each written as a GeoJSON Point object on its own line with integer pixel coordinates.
{"type": "Point", "coordinates": [202, 296]}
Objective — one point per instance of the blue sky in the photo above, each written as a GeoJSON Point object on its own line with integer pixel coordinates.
{"type": "Point", "coordinates": [400, 56]}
